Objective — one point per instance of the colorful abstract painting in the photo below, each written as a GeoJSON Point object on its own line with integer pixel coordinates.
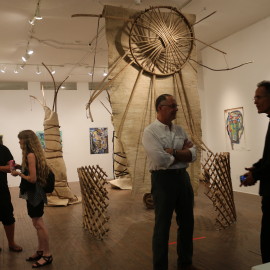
{"type": "Point", "coordinates": [99, 141]}
{"type": "Point", "coordinates": [234, 123]}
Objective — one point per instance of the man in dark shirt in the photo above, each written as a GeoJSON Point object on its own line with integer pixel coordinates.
{"type": "Point", "coordinates": [6, 208]}
{"type": "Point", "coordinates": [261, 170]}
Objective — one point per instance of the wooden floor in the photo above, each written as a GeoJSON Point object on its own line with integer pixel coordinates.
{"type": "Point", "coordinates": [128, 245]}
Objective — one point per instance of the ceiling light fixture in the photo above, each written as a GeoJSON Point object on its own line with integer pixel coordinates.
{"type": "Point", "coordinates": [38, 70]}
{"type": "Point", "coordinates": [16, 71]}
{"type": "Point", "coordinates": [3, 69]}
{"type": "Point", "coordinates": [32, 22]}
{"type": "Point", "coordinates": [52, 70]}
{"type": "Point", "coordinates": [22, 66]}
{"type": "Point", "coordinates": [25, 57]}
{"type": "Point", "coordinates": [105, 73]}
{"type": "Point", "coordinates": [37, 15]}
{"type": "Point", "coordinates": [29, 52]}
{"type": "Point", "coordinates": [90, 73]}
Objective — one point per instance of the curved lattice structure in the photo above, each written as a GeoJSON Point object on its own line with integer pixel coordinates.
{"type": "Point", "coordinates": [161, 40]}
{"type": "Point", "coordinates": [217, 178]}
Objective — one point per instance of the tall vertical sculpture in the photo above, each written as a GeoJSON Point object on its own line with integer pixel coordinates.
{"type": "Point", "coordinates": [151, 52]}
{"type": "Point", "coordinates": [62, 194]}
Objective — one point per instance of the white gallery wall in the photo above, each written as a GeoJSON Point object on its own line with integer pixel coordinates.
{"type": "Point", "coordinates": [221, 90]}
{"type": "Point", "coordinates": [19, 112]}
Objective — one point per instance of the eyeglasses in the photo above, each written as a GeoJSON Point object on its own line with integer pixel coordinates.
{"type": "Point", "coordinates": [259, 97]}
{"type": "Point", "coordinates": [172, 106]}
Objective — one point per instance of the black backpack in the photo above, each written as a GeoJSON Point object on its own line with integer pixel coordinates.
{"type": "Point", "coordinates": [49, 187]}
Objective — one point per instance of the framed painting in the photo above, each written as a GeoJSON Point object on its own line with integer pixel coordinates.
{"type": "Point", "coordinates": [234, 127]}
{"type": "Point", "coordinates": [99, 141]}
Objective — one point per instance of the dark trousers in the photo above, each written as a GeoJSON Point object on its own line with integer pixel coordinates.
{"type": "Point", "coordinates": [6, 207]}
{"type": "Point", "coordinates": [265, 229]}
{"type": "Point", "coordinates": [172, 191]}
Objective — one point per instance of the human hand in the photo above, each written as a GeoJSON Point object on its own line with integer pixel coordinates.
{"type": "Point", "coordinates": [15, 173]}
{"type": "Point", "coordinates": [187, 144]}
{"type": "Point", "coordinates": [249, 181]}
{"type": "Point", "coordinates": [18, 166]}
{"type": "Point", "coordinates": [169, 150]}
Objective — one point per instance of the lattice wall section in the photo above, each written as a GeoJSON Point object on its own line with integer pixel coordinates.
{"type": "Point", "coordinates": [217, 177]}
{"type": "Point", "coordinates": [95, 200]}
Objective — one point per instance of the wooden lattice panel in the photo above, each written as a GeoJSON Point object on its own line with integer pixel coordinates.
{"type": "Point", "coordinates": [94, 200]}
{"type": "Point", "coordinates": [217, 177]}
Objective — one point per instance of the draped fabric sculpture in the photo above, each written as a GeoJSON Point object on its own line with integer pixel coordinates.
{"type": "Point", "coordinates": [62, 194]}
{"type": "Point", "coordinates": [151, 53]}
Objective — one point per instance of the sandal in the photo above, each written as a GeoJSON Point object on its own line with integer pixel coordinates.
{"type": "Point", "coordinates": [36, 257]}
{"type": "Point", "coordinates": [47, 259]}
{"type": "Point", "coordinates": [15, 248]}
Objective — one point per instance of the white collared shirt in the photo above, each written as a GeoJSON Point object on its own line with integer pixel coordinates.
{"type": "Point", "coordinates": [156, 138]}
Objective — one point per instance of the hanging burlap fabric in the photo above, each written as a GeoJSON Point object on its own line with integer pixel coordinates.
{"type": "Point", "coordinates": [133, 92]}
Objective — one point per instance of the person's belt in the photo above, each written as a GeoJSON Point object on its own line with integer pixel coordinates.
{"type": "Point", "coordinates": [170, 171]}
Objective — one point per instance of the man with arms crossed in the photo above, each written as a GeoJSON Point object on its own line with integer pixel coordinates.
{"type": "Point", "coordinates": [169, 151]}
{"type": "Point", "coordinates": [261, 170]}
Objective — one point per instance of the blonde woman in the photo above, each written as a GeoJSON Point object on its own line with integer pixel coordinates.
{"type": "Point", "coordinates": [34, 171]}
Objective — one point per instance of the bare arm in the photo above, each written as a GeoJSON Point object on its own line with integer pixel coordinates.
{"type": "Point", "coordinates": [5, 169]}
{"type": "Point", "coordinates": [32, 177]}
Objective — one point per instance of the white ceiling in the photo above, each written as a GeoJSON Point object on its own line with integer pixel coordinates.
{"type": "Point", "coordinates": [69, 43]}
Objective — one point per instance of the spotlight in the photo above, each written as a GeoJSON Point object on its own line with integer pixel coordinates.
{"type": "Point", "coordinates": [29, 52]}
{"type": "Point", "coordinates": [32, 22]}
{"type": "Point", "coordinates": [3, 69]}
{"type": "Point", "coordinates": [25, 57]}
{"type": "Point", "coordinates": [22, 66]}
{"type": "Point", "coordinates": [105, 73]}
{"type": "Point", "coordinates": [53, 70]}
{"type": "Point", "coordinates": [38, 70]}
{"type": "Point", "coordinates": [37, 15]}
{"type": "Point", "coordinates": [16, 71]}
{"type": "Point", "coordinates": [90, 73]}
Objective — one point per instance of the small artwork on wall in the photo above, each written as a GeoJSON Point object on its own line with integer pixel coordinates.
{"type": "Point", "coordinates": [234, 125]}
{"type": "Point", "coordinates": [99, 141]}
{"type": "Point", "coordinates": [40, 135]}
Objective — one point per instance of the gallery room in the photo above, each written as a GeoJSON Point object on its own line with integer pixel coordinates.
{"type": "Point", "coordinates": [85, 77]}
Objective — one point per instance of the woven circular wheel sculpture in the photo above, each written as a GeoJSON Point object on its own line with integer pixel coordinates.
{"type": "Point", "coordinates": [161, 40]}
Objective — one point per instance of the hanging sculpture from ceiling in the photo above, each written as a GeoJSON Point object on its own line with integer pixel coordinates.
{"type": "Point", "coordinates": [152, 53]}
{"type": "Point", "coordinates": [149, 54]}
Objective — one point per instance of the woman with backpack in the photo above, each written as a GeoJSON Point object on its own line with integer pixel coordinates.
{"type": "Point", "coordinates": [34, 172]}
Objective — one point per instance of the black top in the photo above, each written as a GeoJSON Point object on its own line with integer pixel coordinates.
{"type": "Point", "coordinates": [262, 167]}
{"type": "Point", "coordinates": [5, 157]}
